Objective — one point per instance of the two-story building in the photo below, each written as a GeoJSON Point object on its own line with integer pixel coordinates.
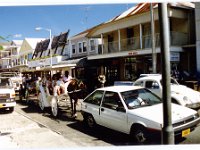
{"type": "Point", "coordinates": [10, 55]}
{"type": "Point", "coordinates": [127, 42]}
{"type": "Point", "coordinates": [80, 47]}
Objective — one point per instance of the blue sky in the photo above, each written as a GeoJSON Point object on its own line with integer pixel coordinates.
{"type": "Point", "coordinates": [59, 18]}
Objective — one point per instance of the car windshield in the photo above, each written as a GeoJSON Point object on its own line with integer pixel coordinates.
{"type": "Point", "coordinates": [139, 98]}
{"type": "Point", "coordinates": [5, 82]}
{"type": "Point", "coordinates": [8, 75]}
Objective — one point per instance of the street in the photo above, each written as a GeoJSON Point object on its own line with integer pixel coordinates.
{"type": "Point", "coordinates": [28, 127]}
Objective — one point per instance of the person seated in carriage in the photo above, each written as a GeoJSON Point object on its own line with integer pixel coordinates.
{"type": "Point", "coordinates": [59, 87]}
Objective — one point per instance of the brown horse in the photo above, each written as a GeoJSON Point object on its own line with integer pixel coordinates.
{"type": "Point", "coordinates": [76, 90]}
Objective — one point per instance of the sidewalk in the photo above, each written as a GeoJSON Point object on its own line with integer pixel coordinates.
{"type": "Point", "coordinates": [17, 131]}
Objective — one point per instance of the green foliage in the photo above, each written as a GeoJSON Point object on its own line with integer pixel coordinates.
{"type": "Point", "coordinates": [1, 47]}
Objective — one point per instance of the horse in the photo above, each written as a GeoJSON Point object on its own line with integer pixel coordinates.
{"type": "Point", "coordinates": [76, 90]}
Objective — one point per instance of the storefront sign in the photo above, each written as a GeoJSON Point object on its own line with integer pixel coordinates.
{"type": "Point", "coordinates": [132, 53]}
{"type": "Point", "coordinates": [174, 56]}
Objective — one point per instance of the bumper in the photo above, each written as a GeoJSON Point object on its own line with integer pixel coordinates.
{"type": "Point", "coordinates": [190, 125]}
{"type": "Point", "coordinates": [7, 105]}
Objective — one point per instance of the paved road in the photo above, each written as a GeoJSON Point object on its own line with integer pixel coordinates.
{"type": "Point", "coordinates": [28, 127]}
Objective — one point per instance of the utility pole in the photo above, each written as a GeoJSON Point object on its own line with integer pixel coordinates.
{"type": "Point", "coordinates": [154, 57]}
{"type": "Point", "coordinates": [167, 131]}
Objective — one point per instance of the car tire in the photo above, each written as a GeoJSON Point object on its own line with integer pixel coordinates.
{"type": "Point", "coordinates": [11, 109]}
{"type": "Point", "coordinates": [89, 121]}
{"type": "Point", "coordinates": [139, 134]}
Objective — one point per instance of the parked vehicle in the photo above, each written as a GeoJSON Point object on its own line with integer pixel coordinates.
{"type": "Point", "coordinates": [135, 111]}
{"type": "Point", "coordinates": [15, 78]}
{"type": "Point", "coordinates": [7, 94]}
{"type": "Point", "coordinates": [128, 83]}
{"type": "Point", "coordinates": [180, 94]}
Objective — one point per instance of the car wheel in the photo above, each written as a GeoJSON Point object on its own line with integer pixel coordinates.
{"type": "Point", "coordinates": [139, 134]}
{"type": "Point", "coordinates": [11, 109]}
{"type": "Point", "coordinates": [54, 107]}
{"type": "Point", "coordinates": [90, 122]}
{"type": "Point", "coordinates": [40, 102]}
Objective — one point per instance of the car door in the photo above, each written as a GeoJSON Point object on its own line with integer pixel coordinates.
{"type": "Point", "coordinates": [112, 112]}
{"type": "Point", "coordinates": [92, 104]}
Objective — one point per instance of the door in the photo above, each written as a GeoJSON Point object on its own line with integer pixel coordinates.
{"type": "Point", "coordinates": [112, 112]}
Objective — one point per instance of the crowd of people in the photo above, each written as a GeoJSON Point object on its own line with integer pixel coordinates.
{"type": "Point", "coordinates": [57, 84]}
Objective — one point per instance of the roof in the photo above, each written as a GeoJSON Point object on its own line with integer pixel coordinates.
{"type": "Point", "coordinates": [119, 88]}
{"type": "Point", "coordinates": [145, 7]}
{"type": "Point", "coordinates": [17, 42]}
{"type": "Point", "coordinates": [33, 41]}
{"type": "Point", "coordinates": [153, 77]}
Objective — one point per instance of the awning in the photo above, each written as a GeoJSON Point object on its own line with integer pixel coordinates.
{"type": "Point", "coordinates": [79, 62]}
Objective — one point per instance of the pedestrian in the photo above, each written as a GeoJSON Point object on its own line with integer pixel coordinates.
{"type": "Point", "coordinates": [175, 73]}
{"type": "Point", "coordinates": [101, 80]}
{"type": "Point", "coordinates": [67, 77]}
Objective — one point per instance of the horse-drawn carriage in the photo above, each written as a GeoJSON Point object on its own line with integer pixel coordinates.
{"type": "Point", "coordinates": [28, 90]}
{"type": "Point", "coordinates": [56, 97]}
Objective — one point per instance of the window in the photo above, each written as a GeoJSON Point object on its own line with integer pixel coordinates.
{"type": "Point", "coordinates": [80, 47]}
{"type": "Point", "coordinates": [111, 100]}
{"type": "Point", "coordinates": [73, 49]}
{"type": "Point", "coordinates": [95, 98]}
{"type": "Point", "coordinates": [30, 56]}
{"type": "Point", "coordinates": [140, 83]}
{"type": "Point", "coordinates": [84, 46]}
{"type": "Point", "coordinates": [92, 45]}
{"type": "Point", "coordinates": [152, 85]}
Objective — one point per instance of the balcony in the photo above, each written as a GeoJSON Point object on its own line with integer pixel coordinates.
{"type": "Point", "coordinates": [176, 39]}
{"type": "Point", "coordinates": [41, 62]}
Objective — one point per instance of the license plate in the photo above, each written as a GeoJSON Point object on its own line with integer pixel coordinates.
{"type": "Point", "coordinates": [185, 132]}
{"type": "Point", "coordinates": [1, 105]}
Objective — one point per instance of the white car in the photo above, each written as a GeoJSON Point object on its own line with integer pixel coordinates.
{"type": "Point", "coordinates": [15, 78]}
{"type": "Point", "coordinates": [7, 94]}
{"type": "Point", "coordinates": [180, 94]}
{"type": "Point", "coordinates": [135, 111]}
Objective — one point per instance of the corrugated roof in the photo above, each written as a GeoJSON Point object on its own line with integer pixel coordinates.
{"type": "Point", "coordinates": [145, 7]}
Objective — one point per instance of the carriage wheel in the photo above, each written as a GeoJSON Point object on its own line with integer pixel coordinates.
{"type": "Point", "coordinates": [40, 102]}
{"type": "Point", "coordinates": [54, 107]}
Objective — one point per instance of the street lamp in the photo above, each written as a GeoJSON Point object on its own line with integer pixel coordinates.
{"type": "Point", "coordinates": [50, 40]}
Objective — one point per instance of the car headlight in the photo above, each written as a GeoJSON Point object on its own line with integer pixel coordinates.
{"type": "Point", "coordinates": [10, 100]}
{"type": "Point", "coordinates": [196, 116]}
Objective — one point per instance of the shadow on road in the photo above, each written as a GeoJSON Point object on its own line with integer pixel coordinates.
{"type": "Point", "coordinates": [99, 133]}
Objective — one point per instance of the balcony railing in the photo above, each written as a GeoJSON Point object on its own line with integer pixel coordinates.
{"type": "Point", "coordinates": [176, 39]}
{"type": "Point", "coordinates": [46, 61]}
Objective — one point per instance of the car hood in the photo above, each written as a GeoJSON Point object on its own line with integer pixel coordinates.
{"type": "Point", "coordinates": [6, 90]}
{"type": "Point", "coordinates": [193, 95]}
{"type": "Point", "coordinates": [155, 113]}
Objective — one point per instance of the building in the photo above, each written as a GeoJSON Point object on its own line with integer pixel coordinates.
{"type": "Point", "coordinates": [10, 55]}
{"type": "Point", "coordinates": [127, 42]}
